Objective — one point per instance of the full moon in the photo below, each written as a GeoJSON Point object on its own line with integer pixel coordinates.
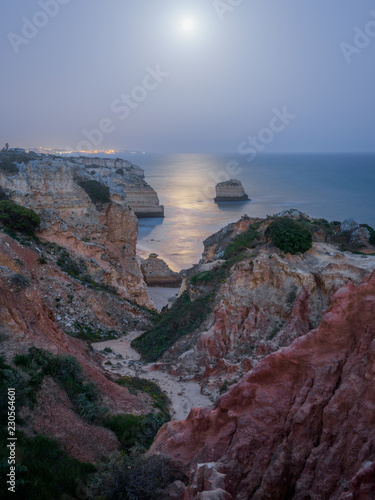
{"type": "Point", "coordinates": [187, 25]}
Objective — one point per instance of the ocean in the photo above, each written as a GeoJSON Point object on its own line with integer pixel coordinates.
{"type": "Point", "coordinates": [329, 186]}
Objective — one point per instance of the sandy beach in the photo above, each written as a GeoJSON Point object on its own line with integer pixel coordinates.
{"type": "Point", "coordinates": [160, 296]}
{"type": "Point", "coordinates": [124, 360]}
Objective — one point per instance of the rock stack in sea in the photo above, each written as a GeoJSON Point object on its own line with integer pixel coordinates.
{"type": "Point", "coordinates": [156, 272]}
{"type": "Point", "coordinates": [231, 190]}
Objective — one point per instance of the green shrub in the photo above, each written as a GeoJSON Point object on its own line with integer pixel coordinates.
{"type": "Point", "coordinates": [372, 233]}
{"type": "Point", "coordinates": [182, 318]}
{"type": "Point", "coordinates": [18, 218]}
{"type": "Point", "coordinates": [290, 236]}
{"type": "Point", "coordinates": [76, 268]}
{"type": "Point", "coordinates": [91, 334]}
{"type": "Point", "coordinates": [135, 477]}
{"type": "Point", "coordinates": [136, 430]}
{"type": "Point", "coordinates": [20, 281]}
{"type": "Point", "coordinates": [160, 399]}
{"type": "Point", "coordinates": [204, 276]}
{"type": "Point", "coordinates": [44, 471]}
{"type": "Point", "coordinates": [66, 371]}
{"type": "Point", "coordinates": [69, 265]}
{"type": "Point", "coordinates": [97, 192]}
{"type": "Point", "coordinates": [240, 243]}
{"type": "Point", "coordinates": [8, 166]}
{"type": "Point", "coordinates": [3, 195]}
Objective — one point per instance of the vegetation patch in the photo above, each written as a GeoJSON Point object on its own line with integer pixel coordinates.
{"type": "Point", "coordinates": [136, 431]}
{"type": "Point", "coordinates": [43, 470]}
{"type": "Point", "coordinates": [20, 281]}
{"type": "Point", "coordinates": [372, 233]}
{"type": "Point", "coordinates": [91, 334]}
{"type": "Point", "coordinates": [184, 317]}
{"type": "Point", "coordinates": [159, 398]}
{"type": "Point", "coordinates": [17, 218]}
{"type": "Point", "coordinates": [8, 166]}
{"type": "Point", "coordinates": [98, 192]}
{"type": "Point", "coordinates": [3, 195]}
{"type": "Point", "coordinates": [76, 268]}
{"type": "Point", "coordinates": [66, 371]}
{"type": "Point", "coordinates": [290, 236]}
{"type": "Point", "coordinates": [135, 477]}
{"type": "Point", "coordinates": [241, 242]}
{"type": "Point", "coordinates": [203, 277]}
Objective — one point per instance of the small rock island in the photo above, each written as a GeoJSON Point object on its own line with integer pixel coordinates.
{"type": "Point", "coordinates": [231, 190]}
{"type": "Point", "coordinates": [157, 273]}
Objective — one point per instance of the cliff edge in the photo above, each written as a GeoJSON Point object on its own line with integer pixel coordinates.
{"type": "Point", "coordinates": [298, 424]}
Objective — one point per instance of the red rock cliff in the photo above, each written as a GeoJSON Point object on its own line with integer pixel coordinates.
{"type": "Point", "coordinates": [299, 425]}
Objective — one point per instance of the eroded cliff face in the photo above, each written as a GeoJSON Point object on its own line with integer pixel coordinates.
{"type": "Point", "coordinates": [263, 303]}
{"type": "Point", "coordinates": [298, 425]}
{"type": "Point", "coordinates": [126, 183]}
{"type": "Point", "coordinates": [104, 236]}
{"type": "Point", "coordinates": [37, 311]}
{"type": "Point", "coordinates": [79, 279]}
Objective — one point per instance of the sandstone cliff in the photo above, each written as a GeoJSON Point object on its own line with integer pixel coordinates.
{"type": "Point", "coordinates": [231, 190]}
{"type": "Point", "coordinates": [256, 302]}
{"type": "Point", "coordinates": [104, 236]}
{"type": "Point", "coordinates": [126, 183]}
{"type": "Point", "coordinates": [299, 425]}
{"type": "Point", "coordinates": [39, 307]}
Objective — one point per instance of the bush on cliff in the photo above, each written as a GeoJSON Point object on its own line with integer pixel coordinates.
{"type": "Point", "coordinates": [136, 430]}
{"type": "Point", "coordinates": [98, 193]}
{"type": "Point", "coordinates": [372, 233]}
{"type": "Point", "coordinates": [290, 236]}
{"type": "Point", "coordinates": [184, 317]}
{"type": "Point", "coordinates": [135, 477]}
{"type": "Point", "coordinates": [3, 194]}
{"type": "Point", "coordinates": [67, 372]}
{"type": "Point", "coordinates": [43, 470]}
{"type": "Point", "coordinates": [18, 218]}
{"type": "Point", "coordinates": [8, 166]}
{"type": "Point", "coordinates": [241, 242]}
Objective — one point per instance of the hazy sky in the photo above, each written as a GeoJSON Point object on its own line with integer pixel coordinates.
{"type": "Point", "coordinates": [189, 76]}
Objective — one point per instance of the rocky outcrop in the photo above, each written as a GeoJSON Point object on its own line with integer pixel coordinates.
{"type": "Point", "coordinates": [231, 190]}
{"type": "Point", "coordinates": [104, 236]}
{"type": "Point", "coordinates": [267, 301]}
{"type": "Point", "coordinates": [36, 311]}
{"type": "Point", "coordinates": [360, 238]}
{"type": "Point", "coordinates": [126, 183]}
{"type": "Point", "coordinates": [298, 425]}
{"type": "Point", "coordinates": [156, 272]}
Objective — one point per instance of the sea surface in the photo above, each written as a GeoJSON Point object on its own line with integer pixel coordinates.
{"type": "Point", "coordinates": [329, 186]}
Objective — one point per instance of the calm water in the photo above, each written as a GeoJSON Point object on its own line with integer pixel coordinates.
{"type": "Point", "coordinates": [331, 186]}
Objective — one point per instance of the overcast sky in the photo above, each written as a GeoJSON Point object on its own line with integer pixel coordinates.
{"type": "Point", "coordinates": [196, 76]}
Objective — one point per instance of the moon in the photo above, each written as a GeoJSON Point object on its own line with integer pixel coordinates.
{"type": "Point", "coordinates": [187, 25]}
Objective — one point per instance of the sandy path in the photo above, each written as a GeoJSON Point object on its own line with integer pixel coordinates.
{"type": "Point", "coordinates": [160, 296]}
{"type": "Point", "coordinates": [184, 395]}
